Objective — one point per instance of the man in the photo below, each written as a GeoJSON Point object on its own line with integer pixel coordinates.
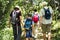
{"type": "Point", "coordinates": [46, 20]}
{"type": "Point", "coordinates": [15, 18]}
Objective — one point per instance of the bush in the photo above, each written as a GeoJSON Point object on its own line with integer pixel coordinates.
{"type": "Point", "coordinates": [6, 34]}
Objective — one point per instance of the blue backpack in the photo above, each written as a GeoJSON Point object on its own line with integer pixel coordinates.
{"type": "Point", "coordinates": [28, 23]}
{"type": "Point", "coordinates": [47, 14]}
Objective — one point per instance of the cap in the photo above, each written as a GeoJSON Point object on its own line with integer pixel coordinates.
{"type": "Point", "coordinates": [44, 3]}
{"type": "Point", "coordinates": [17, 7]}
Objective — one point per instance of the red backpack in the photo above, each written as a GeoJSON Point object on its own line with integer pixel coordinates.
{"type": "Point", "coordinates": [35, 18]}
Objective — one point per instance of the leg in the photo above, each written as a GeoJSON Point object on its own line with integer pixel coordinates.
{"type": "Point", "coordinates": [49, 36]}
{"type": "Point", "coordinates": [27, 39]}
{"type": "Point", "coordinates": [31, 38]}
{"type": "Point", "coordinates": [35, 27]}
{"type": "Point", "coordinates": [27, 35]}
{"type": "Point", "coordinates": [30, 32]}
{"type": "Point", "coordinates": [19, 32]}
{"type": "Point", "coordinates": [14, 31]}
{"type": "Point", "coordinates": [31, 35]}
{"type": "Point", "coordinates": [49, 31]}
{"type": "Point", "coordinates": [44, 31]}
{"type": "Point", "coordinates": [44, 36]}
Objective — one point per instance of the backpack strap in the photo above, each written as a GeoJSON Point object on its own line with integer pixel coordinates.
{"type": "Point", "coordinates": [28, 20]}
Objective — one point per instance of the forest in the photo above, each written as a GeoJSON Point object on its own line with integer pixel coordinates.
{"type": "Point", "coordinates": [6, 6]}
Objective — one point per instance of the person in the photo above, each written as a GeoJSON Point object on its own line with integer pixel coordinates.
{"type": "Point", "coordinates": [35, 19]}
{"type": "Point", "coordinates": [35, 16]}
{"type": "Point", "coordinates": [46, 19]}
{"type": "Point", "coordinates": [28, 27]}
{"type": "Point", "coordinates": [15, 18]}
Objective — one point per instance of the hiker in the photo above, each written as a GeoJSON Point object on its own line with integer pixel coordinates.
{"type": "Point", "coordinates": [35, 16]}
{"type": "Point", "coordinates": [15, 18]}
{"type": "Point", "coordinates": [35, 19]}
{"type": "Point", "coordinates": [46, 20]}
{"type": "Point", "coordinates": [28, 27]}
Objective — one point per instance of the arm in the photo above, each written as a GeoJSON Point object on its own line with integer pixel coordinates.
{"type": "Point", "coordinates": [20, 17]}
{"type": "Point", "coordinates": [52, 12]}
{"type": "Point", "coordinates": [32, 27]}
{"type": "Point", "coordinates": [40, 21]}
{"type": "Point", "coordinates": [41, 16]}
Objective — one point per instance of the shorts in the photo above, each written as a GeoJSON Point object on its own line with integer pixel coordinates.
{"type": "Point", "coordinates": [46, 28]}
{"type": "Point", "coordinates": [28, 33]}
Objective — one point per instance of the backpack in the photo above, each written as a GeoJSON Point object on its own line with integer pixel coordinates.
{"type": "Point", "coordinates": [28, 24]}
{"type": "Point", "coordinates": [47, 14]}
{"type": "Point", "coordinates": [35, 18]}
{"type": "Point", "coordinates": [13, 18]}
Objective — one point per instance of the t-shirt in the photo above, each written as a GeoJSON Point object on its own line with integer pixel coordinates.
{"type": "Point", "coordinates": [42, 12]}
{"type": "Point", "coordinates": [18, 14]}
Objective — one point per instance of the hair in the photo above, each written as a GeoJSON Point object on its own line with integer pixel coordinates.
{"type": "Point", "coordinates": [35, 10]}
{"type": "Point", "coordinates": [45, 3]}
{"type": "Point", "coordinates": [29, 15]}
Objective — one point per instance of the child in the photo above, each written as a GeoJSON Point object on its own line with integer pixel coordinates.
{"type": "Point", "coordinates": [35, 18]}
{"type": "Point", "coordinates": [28, 27]}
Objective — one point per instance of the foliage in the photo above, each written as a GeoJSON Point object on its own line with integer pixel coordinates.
{"type": "Point", "coordinates": [6, 34]}
{"type": "Point", "coordinates": [27, 6]}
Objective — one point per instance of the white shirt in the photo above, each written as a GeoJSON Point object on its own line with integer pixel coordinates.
{"type": "Point", "coordinates": [42, 12]}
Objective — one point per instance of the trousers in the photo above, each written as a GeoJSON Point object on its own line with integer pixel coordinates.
{"type": "Point", "coordinates": [17, 31]}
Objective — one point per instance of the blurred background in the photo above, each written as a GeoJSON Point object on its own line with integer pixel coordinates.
{"type": "Point", "coordinates": [6, 6]}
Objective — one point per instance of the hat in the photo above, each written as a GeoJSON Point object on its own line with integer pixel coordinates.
{"type": "Point", "coordinates": [44, 3]}
{"type": "Point", "coordinates": [17, 7]}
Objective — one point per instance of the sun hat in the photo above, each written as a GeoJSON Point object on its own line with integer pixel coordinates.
{"type": "Point", "coordinates": [44, 3]}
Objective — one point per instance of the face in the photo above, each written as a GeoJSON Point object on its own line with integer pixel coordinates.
{"type": "Point", "coordinates": [16, 9]}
